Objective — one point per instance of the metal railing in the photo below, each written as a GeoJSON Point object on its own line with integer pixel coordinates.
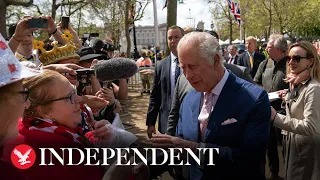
{"type": "Point", "coordinates": [135, 83]}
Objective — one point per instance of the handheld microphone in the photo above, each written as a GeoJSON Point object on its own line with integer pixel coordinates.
{"type": "Point", "coordinates": [115, 68]}
{"type": "Point", "coordinates": [106, 71]}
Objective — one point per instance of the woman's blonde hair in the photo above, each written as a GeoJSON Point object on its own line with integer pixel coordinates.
{"type": "Point", "coordinates": [5, 97]}
{"type": "Point", "coordinates": [311, 54]}
{"type": "Point", "coordinates": [40, 92]}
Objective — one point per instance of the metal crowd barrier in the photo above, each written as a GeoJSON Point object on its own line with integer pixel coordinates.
{"type": "Point", "coordinates": [135, 83]}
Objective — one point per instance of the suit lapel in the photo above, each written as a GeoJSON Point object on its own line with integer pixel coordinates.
{"type": "Point", "coordinates": [168, 73]}
{"type": "Point", "coordinates": [195, 106]}
{"type": "Point", "coordinates": [235, 60]}
{"type": "Point", "coordinates": [224, 102]}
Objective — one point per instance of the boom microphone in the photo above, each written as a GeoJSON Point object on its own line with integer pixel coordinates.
{"type": "Point", "coordinates": [115, 68]}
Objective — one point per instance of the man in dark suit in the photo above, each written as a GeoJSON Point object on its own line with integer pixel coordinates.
{"type": "Point", "coordinates": [251, 58]}
{"type": "Point", "coordinates": [223, 112]}
{"type": "Point", "coordinates": [166, 74]}
{"type": "Point", "coordinates": [233, 57]}
{"type": "Point", "coordinates": [183, 87]}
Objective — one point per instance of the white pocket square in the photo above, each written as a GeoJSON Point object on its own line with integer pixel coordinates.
{"type": "Point", "coordinates": [228, 121]}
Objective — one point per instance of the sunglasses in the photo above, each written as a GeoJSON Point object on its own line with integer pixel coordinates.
{"type": "Point", "coordinates": [296, 58]}
{"type": "Point", "coordinates": [25, 94]}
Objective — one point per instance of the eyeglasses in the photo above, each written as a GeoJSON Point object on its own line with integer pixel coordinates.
{"type": "Point", "coordinates": [25, 94]}
{"type": "Point", "coordinates": [71, 97]}
{"type": "Point", "coordinates": [296, 58]}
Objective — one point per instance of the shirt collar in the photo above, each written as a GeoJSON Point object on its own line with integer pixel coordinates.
{"type": "Point", "coordinates": [218, 88]}
{"type": "Point", "coordinates": [173, 57]}
{"type": "Point", "coordinates": [251, 53]}
{"type": "Point", "coordinates": [282, 62]}
{"type": "Point", "coordinates": [20, 55]}
{"type": "Point", "coordinates": [230, 56]}
{"type": "Point", "coordinates": [305, 81]}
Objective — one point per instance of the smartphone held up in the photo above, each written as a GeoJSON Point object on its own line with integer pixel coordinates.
{"type": "Point", "coordinates": [65, 20]}
{"type": "Point", "coordinates": [41, 23]}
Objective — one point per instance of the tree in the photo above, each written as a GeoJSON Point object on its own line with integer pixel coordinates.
{"type": "Point", "coordinates": [3, 12]}
{"type": "Point", "coordinates": [224, 19]}
{"type": "Point", "coordinates": [70, 3]}
{"type": "Point", "coordinates": [112, 15]}
{"type": "Point", "coordinates": [294, 17]}
{"type": "Point", "coordinates": [137, 13]}
{"type": "Point", "coordinates": [118, 16]}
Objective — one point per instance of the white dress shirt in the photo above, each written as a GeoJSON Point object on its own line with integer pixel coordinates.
{"type": "Point", "coordinates": [232, 58]}
{"type": "Point", "coordinates": [172, 72]}
{"type": "Point", "coordinates": [217, 90]}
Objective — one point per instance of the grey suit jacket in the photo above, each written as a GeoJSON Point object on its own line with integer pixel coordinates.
{"type": "Point", "coordinates": [183, 87]}
{"type": "Point", "coordinates": [160, 98]}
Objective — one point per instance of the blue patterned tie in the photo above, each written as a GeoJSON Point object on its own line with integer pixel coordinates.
{"type": "Point", "coordinates": [177, 71]}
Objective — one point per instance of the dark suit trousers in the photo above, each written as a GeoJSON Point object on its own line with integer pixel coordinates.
{"type": "Point", "coordinates": [272, 152]}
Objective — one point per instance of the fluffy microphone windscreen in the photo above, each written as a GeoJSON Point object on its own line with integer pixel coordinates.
{"type": "Point", "coordinates": [115, 68]}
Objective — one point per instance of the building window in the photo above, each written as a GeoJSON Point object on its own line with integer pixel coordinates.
{"type": "Point", "coordinates": [147, 34]}
{"type": "Point", "coordinates": [152, 34]}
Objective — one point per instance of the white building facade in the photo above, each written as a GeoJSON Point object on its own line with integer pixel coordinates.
{"type": "Point", "coordinates": [145, 37]}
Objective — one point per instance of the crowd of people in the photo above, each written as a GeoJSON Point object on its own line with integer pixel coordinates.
{"type": "Point", "coordinates": [44, 104]}
{"type": "Point", "coordinates": [200, 98]}
{"type": "Point", "coordinates": [223, 102]}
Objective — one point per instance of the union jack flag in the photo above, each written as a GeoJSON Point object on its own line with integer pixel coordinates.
{"type": "Point", "coordinates": [235, 10]}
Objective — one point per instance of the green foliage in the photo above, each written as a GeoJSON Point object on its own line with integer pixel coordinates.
{"type": "Point", "coordinates": [263, 17]}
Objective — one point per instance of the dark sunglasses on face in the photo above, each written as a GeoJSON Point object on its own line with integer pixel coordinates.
{"type": "Point", "coordinates": [296, 58]}
{"type": "Point", "coordinates": [25, 94]}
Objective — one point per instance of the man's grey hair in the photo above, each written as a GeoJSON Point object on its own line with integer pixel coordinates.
{"type": "Point", "coordinates": [279, 41]}
{"type": "Point", "coordinates": [207, 45]}
{"type": "Point", "coordinates": [230, 46]}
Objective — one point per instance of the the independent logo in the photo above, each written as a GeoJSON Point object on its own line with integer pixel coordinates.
{"type": "Point", "coordinates": [23, 156]}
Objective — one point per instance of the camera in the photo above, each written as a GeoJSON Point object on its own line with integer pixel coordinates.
{"type": "Point", "coordinates": [108, 47]}
{"type": "Point", "coordinates": [38, 23]}
{"type": "Point", "coordinates": [83, 76]}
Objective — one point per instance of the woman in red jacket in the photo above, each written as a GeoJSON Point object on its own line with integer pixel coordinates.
{"type": "Point", "coordinates": [51, 122]}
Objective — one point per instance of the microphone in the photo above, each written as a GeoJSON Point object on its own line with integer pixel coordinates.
{"type": "Point", "coordinates": [107, 71]}
{"type": "Point", "coordinates": [115, 68]}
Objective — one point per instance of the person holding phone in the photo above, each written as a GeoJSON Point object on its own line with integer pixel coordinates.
{"type": "Point", "coordinates": [21, 41]}
{"type": "Point", "coordinates": [65, 25]}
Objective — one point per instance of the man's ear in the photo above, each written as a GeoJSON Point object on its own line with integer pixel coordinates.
{"type": "Point", "coordinates": [216, 60]}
